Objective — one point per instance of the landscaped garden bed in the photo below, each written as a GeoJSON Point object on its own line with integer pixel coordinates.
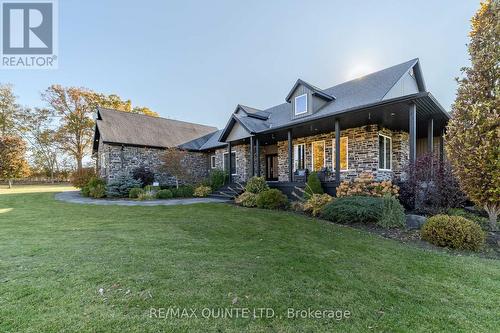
{"type": "Point", "coordinates": [374, 206]}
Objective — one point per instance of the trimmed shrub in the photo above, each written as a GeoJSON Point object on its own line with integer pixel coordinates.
{"type": "Point", "coordinates": [81, 178]}
{"type": "Point", "coordinates": [366, 184]}
{"type": "Point", "coordinates": [146, 176]}
{"type": "Point", "coordinates": [186, 191]}
{"type": "Point", "coordinates": [453, 231]}
{"type": "Point", "coordinates": [218, 178]}
{"type": "Point", "coordinates": [354, 209]}
{"type": "Point", "coordinates": [315, 203]}
{"type": "Point", "coordinates": [164, 194]}
{"type": "Point", "coordinates": [246, 199]}
{"type": "Point", "coordinates": [482, 221]}
{"type": "Point", "coordinates": [95, 188]}
{"type": "Point", "coordinates": [256, 185]}
{"type": "Point", "coordinates": [272, 199]}
{"type": "Point", "coordinates": [393, 214]}
{"type": "Point", "coordinates": [151, 188]}
{"type": "Point", "coordinates": [313, 185]}
{"type": "Point", "coordinates": [135, 192]}
{"type": "Point", "coordinates": [202, 191]}
{"type": "Point", "coordinates": [121, 186]}
{"type": "Point", "coordinates": [146, 196]}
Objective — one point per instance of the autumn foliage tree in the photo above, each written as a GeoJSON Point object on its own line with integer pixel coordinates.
{"type": "Point", "coordinates": [13, 162]}
{"type": "Point", "coordinates": [473, 144]}
{"type": "Point", "coordinates": [174, 163]}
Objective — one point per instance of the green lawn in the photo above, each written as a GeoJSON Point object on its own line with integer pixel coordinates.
{"type": "Point", "coordinates": [54, 258]}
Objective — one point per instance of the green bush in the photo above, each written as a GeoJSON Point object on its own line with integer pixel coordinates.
{"type": "Point", "coordinates": [146, 196]}
{"type": "Point", "coordinates": [120, 187]}
{"type": "Point", "coordinates": [482, 221]}
{"type": "Point", "coordinates": [135, 192]}
{"type": "Point", "coordinates": [151, 188]}
{"type": "Point", "coordinates": [272, 199]}
{"type": "Point", "coordinates": [95, 188]}
{"type": "Point", "coordinates": [80, 179]}
{"type": "Point", "coordinates": [353, 209]}
{"type": "Point", "coordinates": [393, 214]}
{"type": "Point", "coordinates": [202, 191]}
{"type": "Point", "coordinates": [313, 185]}
{"type": "Point", "coordinates": [186, 191]}
{"type": "Point", "coordinates": [256, 185]}
{"type": "Point", "coordinates": [453, 231]}
{"type": "Point", "coordinates": [218, 178]}
{"type": "Point", "coordinates": [247, 199]}
{"type": "Point", "coordinates": [164, 194]}
{"type": "Point", "coordinates": [316, 203]}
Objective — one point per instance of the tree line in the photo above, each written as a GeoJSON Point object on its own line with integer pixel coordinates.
{"type": "Point", "coordinates": [55, 138]}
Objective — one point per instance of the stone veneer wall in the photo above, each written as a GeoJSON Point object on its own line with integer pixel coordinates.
{"type": "Point", "coordinates": [362, 152]}
{"type": "Point", "coordinates": [242, 161]}
{"type": "Point", "coordinates": [116, 160]}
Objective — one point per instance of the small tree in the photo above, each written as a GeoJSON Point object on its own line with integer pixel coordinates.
{"type": "Point", "coordinates": [174, 164]}
{"type": "Point", "coordinates": [313, 185]}
{"type": "Point", "coordinates": [473, 132]}
{"type": "Point", "coordinates": [13, 163]}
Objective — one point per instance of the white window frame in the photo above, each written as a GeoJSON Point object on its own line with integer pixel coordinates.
{"type": "Point", "coordinates": [213, 162]}
{"type": "Point", "coordinates": [347, 154]}
{"type": "Point", "coordinates": [312, 154]}
{"type": "Point", "coordinates": [235, 163]}
{"type": "Point", "coordinates": [295, 105]}
{"type": "Point", "coordinates": [390, 152]}
{"type": "Point", "coordinates": [296, 156]}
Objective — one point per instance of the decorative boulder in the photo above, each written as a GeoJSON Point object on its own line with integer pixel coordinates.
{"type": "Point", "coordinates": [415, 221]}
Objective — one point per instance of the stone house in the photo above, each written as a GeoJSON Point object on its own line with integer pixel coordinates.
{"type": "Point", "coordinates": [380, 122]}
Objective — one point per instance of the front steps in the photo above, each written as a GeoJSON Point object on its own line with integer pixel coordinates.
{"type": "Point", "coordinates": [228, 191]}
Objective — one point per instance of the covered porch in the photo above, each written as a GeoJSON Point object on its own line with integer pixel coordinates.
{"type": "Point", "coordinates": [380, 138]}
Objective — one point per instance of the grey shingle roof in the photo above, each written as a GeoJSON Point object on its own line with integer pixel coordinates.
{"type": "Point", "coordinates": [365, 90]}
{"type": "Point", "coordinates": [136, 129]}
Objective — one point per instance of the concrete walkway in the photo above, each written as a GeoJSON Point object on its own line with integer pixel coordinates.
{"type": "Point", "coordinates": [76, 197]}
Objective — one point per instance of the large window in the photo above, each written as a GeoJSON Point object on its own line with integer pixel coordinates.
{"type": "Point", "coordinates": [301, 104]}
{"type": "Point", "coordinates": [344, 154]}
{"type": "Point", "coordinates": [233, 162]}
{"type": "Point", "coordinates": [213, 165]}
{"type": "Point", "coordinates": [318, 155]}
{"type": "Point", "coordinates": [299, 157]}
{"type": "Point", "coordinates": [384, 152]}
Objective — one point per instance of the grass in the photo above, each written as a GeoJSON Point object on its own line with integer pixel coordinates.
{"type": "Point", "coordinates": [55, 257]}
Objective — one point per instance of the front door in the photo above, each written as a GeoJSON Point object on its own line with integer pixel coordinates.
{"type": "Point", "coordinates": [272, 167]}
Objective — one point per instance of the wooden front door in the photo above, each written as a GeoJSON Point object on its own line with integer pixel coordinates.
{"type": "Point", "coordinates": [272, 167]}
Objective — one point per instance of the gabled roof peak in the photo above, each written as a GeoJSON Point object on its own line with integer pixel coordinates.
{"type": "Point", "coordinates": [315, 91]}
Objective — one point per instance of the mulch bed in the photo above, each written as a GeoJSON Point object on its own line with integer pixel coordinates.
{"type": "Point", "coordinates": [490, 250]}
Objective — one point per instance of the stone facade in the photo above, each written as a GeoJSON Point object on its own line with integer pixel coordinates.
{"type": "Point", "coordinates": [363, 155]}
{"type": "Point", "coordinates": [363, 152]}
{"type": "Point", "coordinates": [117, 160]}
{"type": "Point", "coordinates": [242, 161]}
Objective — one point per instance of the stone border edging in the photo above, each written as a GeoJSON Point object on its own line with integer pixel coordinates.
{"type": "Point", "coordinates": [76, 197]}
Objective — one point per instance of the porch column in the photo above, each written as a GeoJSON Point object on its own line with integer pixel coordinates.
{"type": "Point", "coordinates": [252, 166]}
{"type": "Point", "coordinates": [229, 162]}
{"type": "Point", "coordinates": [290, 156]}
{"type": "Point", "coordinates": [257, 153]}
{"type": "Point", "coordinates": [430, 136]}
{"type": "Point", "coordinates": [337, 151]}
{"type": "Point", "coordinates": [441, 146]}
{"type": "Point", "coordinates": [412, 112]}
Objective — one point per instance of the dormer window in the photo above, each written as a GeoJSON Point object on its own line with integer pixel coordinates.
{"type": "Point", "coordinates": [301, 104]}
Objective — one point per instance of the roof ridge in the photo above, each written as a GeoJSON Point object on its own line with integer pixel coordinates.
{"type": "Point", "coordinates": [375, 72]}
{"type": "Point", "coordinates": [154, 117]}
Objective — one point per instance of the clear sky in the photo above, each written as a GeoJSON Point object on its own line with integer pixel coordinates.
{"type": "Point", "coordinates": [196, 60]}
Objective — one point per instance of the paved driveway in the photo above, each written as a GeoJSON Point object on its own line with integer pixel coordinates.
{"type": "Point", "coordinates": [76, 197]}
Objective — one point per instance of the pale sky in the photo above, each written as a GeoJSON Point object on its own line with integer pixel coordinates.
{"type": "Point", "coordinates": [196, 60]}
